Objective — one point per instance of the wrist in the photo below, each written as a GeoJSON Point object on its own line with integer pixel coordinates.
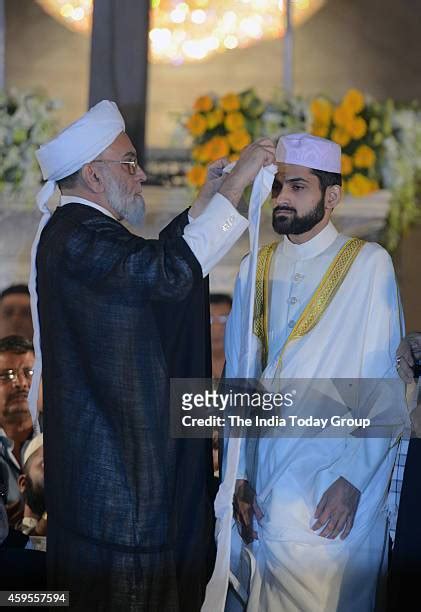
{"type": "Point", "coordinates": [231, 191]}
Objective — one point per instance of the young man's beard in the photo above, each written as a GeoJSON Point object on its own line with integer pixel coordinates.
{"type": "Point", "coordinates": [293, 224]}
{"type": "Point", "coordinates": [34, 497]}
{"type": "Point", "coordinates": [129, 208]}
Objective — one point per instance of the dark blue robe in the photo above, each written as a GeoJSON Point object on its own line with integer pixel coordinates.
{"type": "Point", "coordinates": [129, 509]}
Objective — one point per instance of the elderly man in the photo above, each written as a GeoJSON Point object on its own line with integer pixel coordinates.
{"type": "Point", "coordinates": [16, 429]}
{"type": "Point", "coordinates": [15, 312]}
{"type": "Point", "coordinates": [31, 486]}
{"type": "Point", "coordinates": [129, 510]}
{"type": "Point", "coordinates": [326, 307]}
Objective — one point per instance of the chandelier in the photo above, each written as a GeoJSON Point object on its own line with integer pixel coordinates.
{"type": "Point", "coordinates": [192, 30]}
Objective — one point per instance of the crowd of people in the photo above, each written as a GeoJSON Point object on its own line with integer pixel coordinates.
{"type": "Point", "coordinates": [133, 523]}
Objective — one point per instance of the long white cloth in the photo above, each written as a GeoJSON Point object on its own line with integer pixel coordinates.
{"type": "Point", "coordinates": [296, 569]}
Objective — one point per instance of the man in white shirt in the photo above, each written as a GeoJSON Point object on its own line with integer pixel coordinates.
{"type": "Point", "coordinates": [328, 309]}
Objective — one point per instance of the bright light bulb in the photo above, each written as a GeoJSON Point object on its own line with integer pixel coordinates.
{"type": "Point", "coordinates": [198, 16]}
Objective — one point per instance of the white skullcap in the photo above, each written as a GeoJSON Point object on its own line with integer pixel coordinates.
{"type": "Point", "coordinates": [75, 146]}
{"type": "Point", "coordinates": [309, 151]}
{"type": "Point", "coordinates": [32, 447]}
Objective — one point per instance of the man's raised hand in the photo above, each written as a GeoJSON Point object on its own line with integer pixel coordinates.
{"type": "Point", "coordinates": [245, 509]}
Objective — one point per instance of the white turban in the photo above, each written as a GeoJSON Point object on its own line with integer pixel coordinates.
{"type": "Point", "coordinates": [78, 144]}
{"type": "Point", "coordinates": [33, 446]}
{"type": "Point", "coordinates": [309, 151]}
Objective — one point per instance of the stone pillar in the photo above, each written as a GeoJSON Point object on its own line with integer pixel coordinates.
{"type": "Point", "coordinates": [119, 62]}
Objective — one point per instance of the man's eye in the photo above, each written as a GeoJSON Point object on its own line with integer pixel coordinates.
{"type": "Point", "coordinates": [297, 187]}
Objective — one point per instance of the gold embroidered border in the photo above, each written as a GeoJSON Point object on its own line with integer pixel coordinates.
{"type": "Point", "coordinates": [261, 300]}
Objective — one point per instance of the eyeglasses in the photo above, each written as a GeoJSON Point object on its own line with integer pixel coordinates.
{"type": "Point", "coordinates": [219, 319]}
{"type": "Point", "coordinates": [12, 374]}
{"type": "Point", "coordinates": [132, 165]}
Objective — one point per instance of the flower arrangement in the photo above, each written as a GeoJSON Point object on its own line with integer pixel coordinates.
{"type": "Point", "coordinates": [221, 127]}
{"type": "Point", "coordinates": [360, 127]}
{"type": "Point", "coordinates": [381, 143]}
{"type": "Point", "coordinates": [26, 121]}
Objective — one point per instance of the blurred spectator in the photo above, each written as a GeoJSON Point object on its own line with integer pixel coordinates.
{"type": "Point", "coordinates": [31, 485]}
{"type": "Point", "coordinates": [4, 526]}
{"type": "Point", "coordinates": [15, 312]}
{"type": "Point", "coordinates": [220, 307]}
{"type": "Point", "coordinates": [16, 429]}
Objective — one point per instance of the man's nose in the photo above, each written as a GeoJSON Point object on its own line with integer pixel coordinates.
{"type": "Point", "coordinates": [21, 381]}
{"type": "Point", "coordinates": [141, 174]}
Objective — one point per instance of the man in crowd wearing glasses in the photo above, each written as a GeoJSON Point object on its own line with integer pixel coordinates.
{"type": "Point", "coordinates": [119, 316]}
{"type": "Point", "coordinates": [16, 429]}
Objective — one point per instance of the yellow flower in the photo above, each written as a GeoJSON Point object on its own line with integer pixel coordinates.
{"type": "Point", "coordinates": [319, 129]}
{"type": "Point", "coordinates": [216, 148]}
{"type": "Point", "coordinates": [354, 101]}
{"type": "Point", "coordinates": [203, 104]}
{"type": "Point", "coordinates": [341, 137]}
{"type": "Point", "coordinates": [197, 124]}
{"type": "Point", "coordinates": [342, 116]}
{"type": "Point", "coordinates": [230, 102]}
{"type": "Point", "coordinates": [359, 185]}
{"type": "Point", "coordinates": [358, 128]}
{"type": "Point", "coordinates": [234, 157]}
{"type": "Point", "coordinates": [364, 157]}
{"type": "Point", "coordinates": [239, 139]}
{"type": "Point", "coordinates": [215, 118]}
{"type": "Point", "coordinates": [234, 122]}
{"type": "Point", "coordinates": [346, 164]}
{"type": "Point", "coordinates": [196, 176]}
{"type": "Point", "coordinates": [374, 185]}
{"type": "Point", "coordinates": [199, 154]}
{"type": "Point", "coordinates": [321, 109]}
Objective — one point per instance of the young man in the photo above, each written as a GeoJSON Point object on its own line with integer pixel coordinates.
{"type": "Point", "coordinates": [316, 529]}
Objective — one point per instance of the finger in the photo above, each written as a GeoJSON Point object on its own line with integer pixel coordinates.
{"type": "Point", "coordinates": [257, 511]}
{"type": "Point", "coordinates": [405, 370]}
{"type": "Point", "coordinates": [329, 527]}
{"type": "Point", "coordinates": [339, 526]}
{"type": "Point", "coordinates": [404, 351]}
{"type": "Point", "coordinates": [348, 526]}
{"type": "Point", "coordinates": [321, 506]}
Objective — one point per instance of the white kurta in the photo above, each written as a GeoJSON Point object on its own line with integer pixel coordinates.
{"type": "Point", "coordinates": [294, 568]}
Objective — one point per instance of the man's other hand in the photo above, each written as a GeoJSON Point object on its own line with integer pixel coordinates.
{"type": "Point", "coordinates": [245, 509]}
{"type": "Point", "coordinates": [336, 510]}
{"type": "Point", "coordinates": [214, 179]}
{"type": "Point", "coordinates": [252, 159]}
{"type": "Point", "coordinates": [408, 350]}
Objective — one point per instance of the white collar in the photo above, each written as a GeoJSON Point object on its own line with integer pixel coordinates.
{"type": "Point", "coordinates": [75, 200]}
{"type": "Point", "coordinates": [312, 247]}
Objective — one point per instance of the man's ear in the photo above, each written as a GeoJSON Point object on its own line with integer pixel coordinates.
{"type": "Point", "coordinates": [22, 480]}
{"type": "Point", "coordinates": [332, 196]}
{"type": "Point", "coordinates": [92, 178]}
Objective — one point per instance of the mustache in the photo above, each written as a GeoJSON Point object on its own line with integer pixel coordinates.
{"type": "Point", "coordinates": [281, 208]}
{"type": "Point", "coordinates": [19, 395]}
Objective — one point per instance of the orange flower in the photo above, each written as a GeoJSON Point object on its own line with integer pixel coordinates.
{"type": "Point", "coordinates": [321, 109]}
{"type": "Point", "coordinates": [319, 129]}
{"type": "Point", "coordinates": [234, 121]}
{"type": "Point", "coordinates": [364, 157]}
{"type": "Point", "coordinates": [358, 128]}
{"type": "Point", "coordinates": [196, 176]}
{"type": "Point", "coordinates": [199, 154]}
{"type": "Point", "coordinates": [230, 102]}
{"type": "Point", "coordinates": [354, 101]}
{"type": "Point", "coordinates": [203, 104]}
{"type": "Point", "coordinates": [216, 148]}
{"type": "Point", "coordinates": [239, 139]}
{"type": "Point", "coordinates": [215, 118]}
{"type": "Point", "coordinates": [197, 124]}
{"type": "Point", "coordinates": [346, 164]}
{"type": "Point", "coordinates": [234, 157]}
{"type": "Point", "coordinates": [359, 185]}
{"type": "Point", "coordinates": [341, 137]}
{"type": "Point", "coordinates": [342, 116]}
